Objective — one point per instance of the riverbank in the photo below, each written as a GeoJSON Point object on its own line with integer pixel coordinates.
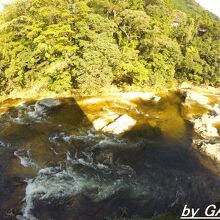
{"type": "Point", "coordinates": [202, 108]}
{"type": "Point", "coordinates": [36, 93]}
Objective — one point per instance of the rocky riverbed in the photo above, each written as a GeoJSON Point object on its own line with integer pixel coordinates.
{"type": "Point", "coordinates": [90, 157]}
{"type": "Point", "coordinates": [203, 110]}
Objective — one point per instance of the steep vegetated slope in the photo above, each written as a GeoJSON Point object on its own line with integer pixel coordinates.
{"type": "Point", "coordinates": [88, 45]}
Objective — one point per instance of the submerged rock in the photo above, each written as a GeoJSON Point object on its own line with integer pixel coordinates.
{"type": "Point", "coordinates": [104, 157]}
{"type": "Point", "coordinates": [146, 96]}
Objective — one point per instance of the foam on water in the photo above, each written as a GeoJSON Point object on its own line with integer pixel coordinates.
{"type": "Point", "coordinates": [88, 162]}
{"type": "Point", "coordinates": [25, 114]}
{"type": "Point", "coordinates": [55, 184]}
{"type": "Point", "coordinates": [80, 176]}
{"type": "Point", "coordinates": [61, 136]}
{"type": "Point", "coordinates": [4, 144]}
{"type": "Point", "coordinates": [25, 158]}
{"type": "Point", "coordinates": [36, 112]}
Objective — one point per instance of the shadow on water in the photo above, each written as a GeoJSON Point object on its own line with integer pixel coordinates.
{"type": "Point", "coordinates": [28, 128]}
{"type": "Point", "coordinates": [53, 157]}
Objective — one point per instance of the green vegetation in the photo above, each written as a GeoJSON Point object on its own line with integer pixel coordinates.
{"type": "Point", "coordinates": [91, 45]}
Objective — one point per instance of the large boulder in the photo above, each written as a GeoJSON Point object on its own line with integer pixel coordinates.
{"type": "Point", "coordinates": [49, 103]}
{"type": "Point", "coordinates": [102, 122]}
{"type": "Point", "coordinates": [185, 85]}
{"type": "Point", "coordinates": [114, 123]}
{"type": "Point", "coordinates": [204, 125]}
{"type": "Point", "coordinates": [196, 97]}
{"type": "Point", "coordinates": [120, 125]}
{"type": "Point", "coordinates": [216, 109]}
{"type": "Point", "coordinates": [44, 105]}
{"type": "Point", "coordinates": [206, 137]}
{"type": "Point", "coordinates": [212, 150]}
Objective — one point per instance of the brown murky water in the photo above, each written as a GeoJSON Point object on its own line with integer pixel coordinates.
{"type": "Point", "coordinates": [54, 165]}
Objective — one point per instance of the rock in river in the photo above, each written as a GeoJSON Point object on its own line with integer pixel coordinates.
{"type": "Point", "coordinates": [120, 125]}
{"type": "Point", "coordinates": [100, 123]}
{"type": "Point", "coordinates": [204, 125]}
{"type": "Point", "coordinates": [196, 97]}
{"type": "Point", "coordinates": [212, 150]}
{"type": "Point", "coordinates": [114, 123]}
{"type": "Point", "coordinates": [49, 103]}
{"type": "Point", "coordinates": [206, 137]}
{"type": "Point", "coordinates": [43, 105]}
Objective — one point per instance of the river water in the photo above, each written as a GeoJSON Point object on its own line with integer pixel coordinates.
{"type": "Point", "coordinates": [55, 165]}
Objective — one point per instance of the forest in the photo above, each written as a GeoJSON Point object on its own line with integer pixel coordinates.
{"type": "Point", "coordinates": [91, 46]}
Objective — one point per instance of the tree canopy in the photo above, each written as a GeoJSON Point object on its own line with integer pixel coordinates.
{"type": "Point", "coordinates": [88, 45]}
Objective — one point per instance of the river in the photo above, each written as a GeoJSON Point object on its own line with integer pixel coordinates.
{"type": "Point", "coordinates": [55, 165]}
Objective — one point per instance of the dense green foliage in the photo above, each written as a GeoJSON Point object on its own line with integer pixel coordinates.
{"type": "Point", "coordinates": [89, 45]}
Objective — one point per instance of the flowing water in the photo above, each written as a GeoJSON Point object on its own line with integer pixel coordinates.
{"type": "Point", "coordinates": [55, 165]}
